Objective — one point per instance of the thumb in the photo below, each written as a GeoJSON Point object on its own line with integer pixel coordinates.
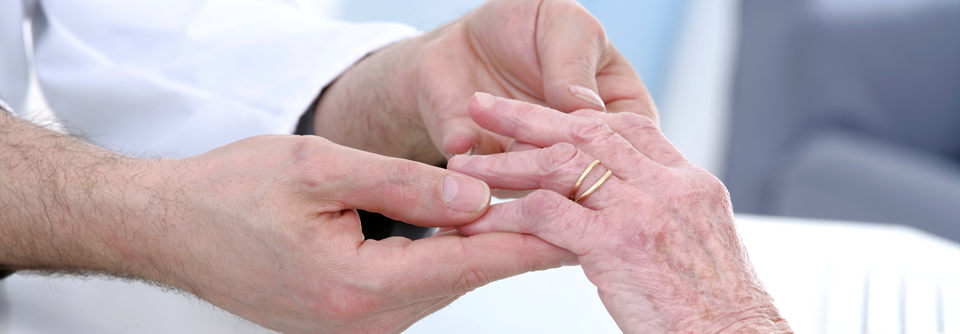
{"type": "Point", "coordinates": [410, 191]}
{"type": "Point", "coordinates": [570, 42]}
{"type": "Point", "coordinates": [454, 265]}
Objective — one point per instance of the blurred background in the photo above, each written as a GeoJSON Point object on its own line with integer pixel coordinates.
{"type": "Point", "coordinates": [836, 109]}
{"type": "Point", "coordinates": [833, 109]}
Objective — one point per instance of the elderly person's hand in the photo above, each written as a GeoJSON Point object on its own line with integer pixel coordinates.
{"type": "Point", "coordinates": [407, 100]}
{"type": "Point", "coordinates": [657, 238]}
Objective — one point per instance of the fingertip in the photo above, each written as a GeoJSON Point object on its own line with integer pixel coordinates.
{"type": "Point", "coordinates": [484, 101]}
{"type": "Point", "coordinates": [461, 141]}
{"type": "Point", "coordinates": [571, 261]}
{"type": "Point", "coordinates": [481, 104]}
{"type": "Point", "coordinates": [447, 231]}
{"type": "Point", "coordinates": [416, 193]}
{"type": "Point", "coordinates": [470, 140]}
{"type": "Point", "coordinates": [456, 162]}
{"type": "Point", "coordinates": [465, 194]}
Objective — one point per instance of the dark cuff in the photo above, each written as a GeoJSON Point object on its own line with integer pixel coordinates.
{"type": "Point", "coordinates": [5, 273]}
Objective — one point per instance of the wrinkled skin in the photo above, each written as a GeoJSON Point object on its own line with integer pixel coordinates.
{"type": "Point", "coordinates": [407, 100]}
{"type": "Point", "coordinates": [658, 238]}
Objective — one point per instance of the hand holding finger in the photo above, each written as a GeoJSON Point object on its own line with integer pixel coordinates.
{"type": "Point", "coordinates": [470, 139]}
{"type": "Point", "coordinates": [546, 214]}
{"type": "Point", "coordinates": [408, 191]}
{"type": "Point", "coordinates": [557, 168]}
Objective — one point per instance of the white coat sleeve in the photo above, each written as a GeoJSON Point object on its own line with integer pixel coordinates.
{"type": "Point", "coordinates": [176, 78]}
{"type": "Point", "coordinates": [13, 62]}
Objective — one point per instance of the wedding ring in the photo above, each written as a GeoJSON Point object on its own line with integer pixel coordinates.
{"type": "Point", "coordinates": [583, 176]}
{"type": "Point", "coordinates": [594, 187]}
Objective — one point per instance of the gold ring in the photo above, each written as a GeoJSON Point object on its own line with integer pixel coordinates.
{"type": "Point", "coordinates": [594, 187]}
{"type": "Point", "coordinates": [583, 176]}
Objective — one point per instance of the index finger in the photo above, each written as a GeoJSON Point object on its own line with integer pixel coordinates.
{"type": "Point", "coordinates": [404, 190]}
{"type": "Point", "coordinates": [545, 127]}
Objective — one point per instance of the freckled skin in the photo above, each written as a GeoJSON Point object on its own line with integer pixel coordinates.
{"type": "Point", "coordinates": [658, 240]}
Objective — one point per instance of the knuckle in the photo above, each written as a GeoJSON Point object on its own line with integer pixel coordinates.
{"type": "Point", "coordinates": [706, 191]}
{"type": "Point", "coordinates": [526, 110]}
{"type": "Point", "coordinates": [302, 154]}
{"type": "Point", "coordinates": [470, 278]}
{"type": "Point", "coordinates": [543, 205]}
{"type": "Point", "coordinates": [549, 211]}
{"type": "Point", "coordinates": [555, 159]}
{"type": "Point", "coordinates": [303, 149]}
{"type": "Point", "coordinates": [573, 8]}
{"type": "Point", "coordinates": [404, 177]}
{"type": "Point", "coordinates": [563, 152]}
{"type": "Point", "coordinates": [585, 131]}
{"type": "Point", "coordinates": [717, 191]}
{"type": "Point", "coordinates": [637, 121]}
{"type": "Point", "coordinates": [580, 15]}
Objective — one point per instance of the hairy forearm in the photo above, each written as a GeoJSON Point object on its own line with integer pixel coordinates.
{"type": "Point", "coordinates": [66, 205]}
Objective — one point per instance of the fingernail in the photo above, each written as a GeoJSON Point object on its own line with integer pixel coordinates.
{"type": "Point", "coordinates": [485, 100]}
{"type": "Point", "coordinates": [571, 261]}
{"type": "Point", "coordinates": [587, 95]}
{"type": "Point", "coordinates": [473, 150]}
{"type": "Point", "coordinates": [465, 194]}
{"type": "Point", "coordinates": [510, 145]}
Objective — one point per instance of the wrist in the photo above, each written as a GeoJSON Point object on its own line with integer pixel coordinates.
{"type": "Point", "coordinates": [172, 230]}
{"type": "Point", "coordinates": [122, 229]}
{"type": "Point", "coordinates": [649, 304]}
{"type": "Point", "coordinates": [151, 218]}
